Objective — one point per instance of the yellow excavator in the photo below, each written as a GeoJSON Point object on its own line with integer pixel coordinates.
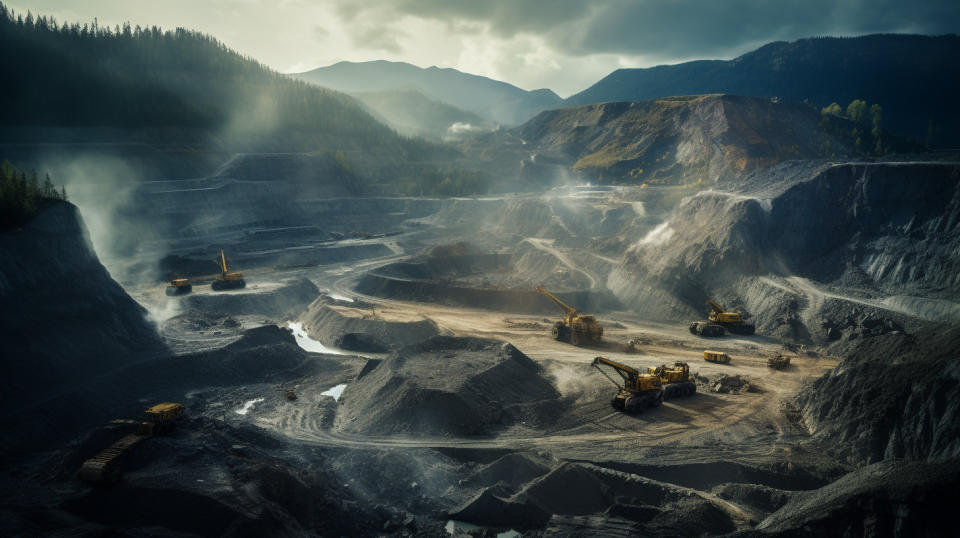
{"type": "Point", "coordinates": [227, 280]}
{"type": "Point", "coordinates": [719, 321]}
{"type": "Point", "coordinates": [677, 379]}
{"type": "Point", "coordinates": [638, 391]}
{"type": "Point", "coordinates": [576, 328]}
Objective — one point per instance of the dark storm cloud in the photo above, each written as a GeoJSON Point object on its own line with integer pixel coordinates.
{"type": "Point", "coordinates": [674, 29]}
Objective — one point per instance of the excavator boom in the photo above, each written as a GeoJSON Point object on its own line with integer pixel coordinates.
{"type": "Point", "coordinates": [223, 261]}
{"type": "Point", "coordinates": [716, 308]}
{"type": "Point", "coordinates": [568, 309]}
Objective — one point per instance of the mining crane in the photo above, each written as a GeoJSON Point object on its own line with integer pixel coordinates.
{"type": "Point", "coordinates": [227, 280]}
{"type": "Point", "coordinates": [575, 328]}
{"type": "Point", "coordinates": [677, 379]}
{"type": "Point", "coordinates": [638, 391]}
{"type": "Point", "coordinates": [720, 321]}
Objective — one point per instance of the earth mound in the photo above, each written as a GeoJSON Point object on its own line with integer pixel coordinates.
{"type": "Point", "coordinates": [347, 329]}
{"type": "Point", "coordinates": [285, 301]}
{"type": "Point", "coordinates": [448, 386]}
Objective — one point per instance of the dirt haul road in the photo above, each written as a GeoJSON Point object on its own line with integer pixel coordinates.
{"type": "Point", "coordinates": [586, 427]}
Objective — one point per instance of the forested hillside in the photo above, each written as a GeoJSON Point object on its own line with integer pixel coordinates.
{"type": "Point", "coordinates": [73, 75]}
{"type": "Point", "coordinates": [914, 78]}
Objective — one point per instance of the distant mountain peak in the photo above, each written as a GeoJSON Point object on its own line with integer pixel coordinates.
{"type": "Point", "coordinates": [495, 100]}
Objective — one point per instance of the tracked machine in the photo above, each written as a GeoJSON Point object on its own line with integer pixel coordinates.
{"type": "Point", "coordinates": [157, 420]}
{"type": "Point", "coordinates": [227, 279]}
{"type": "Point", "coordinates": [179, 286]}
{"type": "Point", "coordinates": [576, 328]}
{"type": "Point", "coordinates": [638, 392]}
{"type": "Point", "coordinates": [719, 321]}
{"type": "Point", "coordinates": [676, 380]}
{"type": "Point", "coordinates": [778, 361]}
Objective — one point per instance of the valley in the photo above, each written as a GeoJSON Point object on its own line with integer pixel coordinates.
{"type": "Point", "coordinates": [683, 302]}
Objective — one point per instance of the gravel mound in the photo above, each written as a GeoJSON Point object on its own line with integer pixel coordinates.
{"type": "Point", "coordinates": [448, 386]}
{"type": "Point", "coordinates": [332, 327]}
{"type": "Point", "coordinates": [724, 383]}
{"type": "Point", "coordinates": [284, 302]}
{"type": "Point", "coordinates": [884, 499]}
{"type": "Point", "coordinates": [512, 469]}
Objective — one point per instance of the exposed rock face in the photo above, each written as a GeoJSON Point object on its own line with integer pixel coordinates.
{"type": "Point", "coordinates": [680, 139]}
{"type": "Point", "coordinates": [883, 499]}
{"type": "Point", "coordinates": [448, 386]}
{"type": "Point", "coordinates": [888, 228]}
{"type": "Point", "coordinates": [64, 319]}
{"type": "Point", "coordinates": [894, 396]}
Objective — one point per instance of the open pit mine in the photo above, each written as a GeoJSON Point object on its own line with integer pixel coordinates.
{"type": "Point", "coordinates": [707, 315]}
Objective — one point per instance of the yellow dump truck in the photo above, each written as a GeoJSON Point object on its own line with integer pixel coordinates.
{"type": "Point", "coordinates": [716, 356]}
{"type": "Point", "coordinates": [179, 286]}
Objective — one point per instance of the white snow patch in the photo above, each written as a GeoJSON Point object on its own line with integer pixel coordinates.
{"type": "Point", "coordinates": [335, 391]}
{"type": "Point", "coordinates": [309, 344]}
{"type": "Point", "coordinates": [248, 405]}
{"type": "Point", "coordinates": [339, 297]}
{"type": "Point", "coordinates": [639, 209]}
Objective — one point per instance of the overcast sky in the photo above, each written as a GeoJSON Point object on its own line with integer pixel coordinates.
{"type": "Point", "coordinates": [565, 45]}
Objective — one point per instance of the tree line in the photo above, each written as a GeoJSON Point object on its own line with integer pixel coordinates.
{"type": "Point", "coordinates": [863, 118]}
{"type": "Point", "coordinates": [23, 195]}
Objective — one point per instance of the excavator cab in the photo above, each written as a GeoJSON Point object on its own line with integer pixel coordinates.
{"type": "Point", "coordinates": [576, 328]}
{"type": "Point", "coordinates": [637, 392]}
{"type": "Point", "coordinates": [227, 280]}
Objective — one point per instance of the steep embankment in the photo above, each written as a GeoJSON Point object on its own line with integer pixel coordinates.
{"type": "Point", "coordinates": [869, 229]}
{"type": "Point", "coordinates": [64, 319]}
{"type": "Point", "coordinates": [691, 139]}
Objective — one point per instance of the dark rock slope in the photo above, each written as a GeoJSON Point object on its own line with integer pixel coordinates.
{"type": "Point", "coordinates": [689, 139]}
{"type": "Point", "coordinates": [877, 229]}
{"type": "Point", "coordinates": [64, 320]}
{"type": "Point", "coordinates": [895, 396]}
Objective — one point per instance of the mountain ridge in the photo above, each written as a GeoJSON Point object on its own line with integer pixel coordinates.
{"type": "Point", "coordinates": [908, 75]}
{"type": "Point", "coordinates": [494, 99]}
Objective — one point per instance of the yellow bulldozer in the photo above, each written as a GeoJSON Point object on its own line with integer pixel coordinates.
{"type": "Point", "coordinates": [576, 328]}
{"type": "Point", "coordinates": [179, 286]}
{"type": "Point", "coordinates": [720, 321]}
{"type": "Point", "coordinates": [105, 466]}
{"type": "Point", "coordinates": [677, 379]}
{"type": "Point", "coordinates": [638, 391]}
{"type": "Point", "coordinates": [227, 279]}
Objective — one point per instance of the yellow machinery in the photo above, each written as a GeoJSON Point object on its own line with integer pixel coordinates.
{"type": "Point", "coordinates": [638, 391]}
{"type": "Point", "coordinates": [576, 328]}
{"type": "Point", "coordinates": [227, 280]}
{"type": "Point", "coordinates": [104, 467]}
{"type": "Point", "coordinates": [720, 321]}
{"type": "Point", "coordinates": [676, 379]}
{"type": "Point", "coordinates": [716, 356]}
{"type": "Point", "coordinates": [778, 361]}
{"type": "Point", "coordinates": [179, 286]}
